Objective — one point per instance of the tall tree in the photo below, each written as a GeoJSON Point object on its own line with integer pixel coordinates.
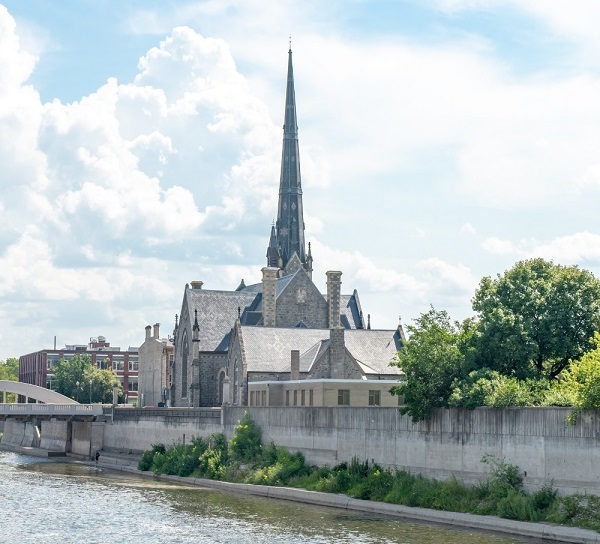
{"type": "Point", "coordinates": [9, 370]}
{"type": "Point", "coordinates": [535, 318]}
{"type": "Point", "coordinates": [431, 359]}
{"type": "Point", "coordinates": [79, 379]}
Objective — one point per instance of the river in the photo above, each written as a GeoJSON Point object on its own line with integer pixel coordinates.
{"type": "Point", "coordinates": [45, 501]}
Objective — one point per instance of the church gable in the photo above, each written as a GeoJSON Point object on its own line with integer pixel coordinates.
{"type": "Point", "coordinates": [293, 265]}
{"type": "Point", "coordinates": [301, 302]}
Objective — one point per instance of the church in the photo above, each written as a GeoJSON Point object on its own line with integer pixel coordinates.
{"type": "Point", "coordinates": [279, 330]}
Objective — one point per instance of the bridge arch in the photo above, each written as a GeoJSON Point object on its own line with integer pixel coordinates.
{"type": "Point", "coordinates": [41, 394]}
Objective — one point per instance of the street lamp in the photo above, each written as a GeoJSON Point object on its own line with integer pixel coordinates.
{"type": "Point", "coordinates": [90, 391]}
{"type": "Point", "coordinates": [77, 385]}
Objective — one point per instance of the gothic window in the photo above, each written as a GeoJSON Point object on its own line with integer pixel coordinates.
{"type": "Point", "coordinates": [184, 366]}
{"type": "Point", "coordinates": [221, 379]}
{"type": "Point", "coordinates": [235, 382]}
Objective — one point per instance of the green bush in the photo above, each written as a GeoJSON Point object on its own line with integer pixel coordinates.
{"type": "Point", "coordinates": [516, 505]}
{"type": "Point", "coordinates": [246, 442]}
{"type": "Point", "coordinates": [148, 456]}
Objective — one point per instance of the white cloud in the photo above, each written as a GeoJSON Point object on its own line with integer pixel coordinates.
{"type": "Point", "coordinates": [579, 248]}
{"type": "Point", "coordinates": [499, 246]}
{"type": "Point", "coordinates": [468, 229]}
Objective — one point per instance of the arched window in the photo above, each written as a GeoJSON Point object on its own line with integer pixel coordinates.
{"type": "Point", "coordinates": [221, 379]}
{"type": "Point", "coordinates": [184, 366]}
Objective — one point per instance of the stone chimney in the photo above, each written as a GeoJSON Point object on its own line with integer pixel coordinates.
{"type": "Point", "coordinates": [337, 353]}
{"type": "Point", "coordinates": [156, 329]}
{"type": "Point", "coordinates": [148, 327]}
{"type": "Point", "coordinates": [295, 365]}
{"type": "Point", "coordinates": [269, 295]}
{"type": "Point", "coordinates": [334, 283]}
{"type": "Point", "coordinates": [197, 284]}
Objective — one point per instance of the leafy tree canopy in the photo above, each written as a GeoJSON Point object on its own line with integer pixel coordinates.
{"type": "Point", "coordinates": [9, 369]}
{"type": "Point", "coordinates": [73, 377]}
{"type": "Point", "coordinates": [535, 318]}
{"type": "Point", "coordinates": [431, 359]}
{"type": "Point", "coordinates": [580, 383]}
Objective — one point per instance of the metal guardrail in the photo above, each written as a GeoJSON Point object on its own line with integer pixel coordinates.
{"type": "Point", "coordinates": [16, 409]}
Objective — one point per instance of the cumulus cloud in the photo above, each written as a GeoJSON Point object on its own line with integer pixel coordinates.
{"type": "Point", "coordinates": [101, 186]}
{"type": "Point", "coordinates": [499, 246]}
{"type": "Point", "coordinates": [580, 248]}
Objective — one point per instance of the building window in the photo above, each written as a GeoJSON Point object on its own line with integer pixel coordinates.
{"type": "Point", "coordinates": [302, 397]}
{"type": "Point", "coordinates": [251, 398]}
{"type": "Point", "coordinates": [287, 398]}
{"type": "Point", "coordinates": [295, 397]}
{"type": "Point", "coordinates": [310, 397]}
{"type": "Point", "coordinates": [118, 363]}
{"type": "Point", "coordinates": [184, 366]}
{"type": "Point", "coordinates": [133, 364]}
{"type": "Point", "coordinates": [343, 397]}
{"type": "Point", "coordinates": [374, 397]}
{"type": "Point", "coordinates": [132, 385]}
{"type": "Point", "coordinates": [263, 395]}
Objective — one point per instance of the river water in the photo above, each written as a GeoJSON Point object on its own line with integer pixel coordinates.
{"type": "Point", "coordinates": [45, 501]}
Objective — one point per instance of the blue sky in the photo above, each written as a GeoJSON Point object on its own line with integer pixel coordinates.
{"type": "Point", "coordinates": [440, 141]}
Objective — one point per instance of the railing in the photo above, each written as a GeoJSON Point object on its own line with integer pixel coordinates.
{"type": "Point", "coordinates": [51, 409]}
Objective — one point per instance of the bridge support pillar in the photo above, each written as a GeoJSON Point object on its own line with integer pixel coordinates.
{"type": "Point", "coordinates": [55, 435]}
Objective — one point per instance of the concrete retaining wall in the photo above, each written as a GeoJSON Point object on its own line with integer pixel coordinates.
{"type": "Point", "coordinates": [453, 442]}
{"type": "Point", "coordinates": [137, 430]}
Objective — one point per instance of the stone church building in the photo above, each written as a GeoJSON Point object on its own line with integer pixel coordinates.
{"type": "Point", "coordinates": [225, 339]}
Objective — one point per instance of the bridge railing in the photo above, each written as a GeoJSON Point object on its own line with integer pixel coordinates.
{"type": "Point", "coordinates": [51, 409]}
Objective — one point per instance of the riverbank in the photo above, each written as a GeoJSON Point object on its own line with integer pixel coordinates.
{"type": "Point", "coordinates": [127, 462]}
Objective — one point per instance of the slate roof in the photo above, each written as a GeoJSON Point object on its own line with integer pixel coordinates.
{"type": "Point", "coordinates": [267, 349]}
{"type": "Point", "coordinates": [217, 312]}
{"type": "Point", "coordinates": [374, 349]}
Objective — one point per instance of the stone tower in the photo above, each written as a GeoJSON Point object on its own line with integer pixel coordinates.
{"type": "Point", "coordinates": [287, 238]}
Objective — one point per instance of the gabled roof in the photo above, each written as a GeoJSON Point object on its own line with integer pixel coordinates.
{"type": "Point", "coordinates": [267, 349]}
{"type": "Point", "coordinates": [374, 350]}
{"type": "Point", "coordinates": [217, 312]}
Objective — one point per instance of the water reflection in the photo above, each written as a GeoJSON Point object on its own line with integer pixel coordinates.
{"type": "Point", "coordinates": [47, 501]}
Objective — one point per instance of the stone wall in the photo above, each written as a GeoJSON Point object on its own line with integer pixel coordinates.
{"type": "Point", "coordinates": [302, 301]}
{"type": "Point", "coordinates": [211, 365]}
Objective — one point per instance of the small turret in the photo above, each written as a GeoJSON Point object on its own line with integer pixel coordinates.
{"type": "Point", "coordinates": [273, 257]}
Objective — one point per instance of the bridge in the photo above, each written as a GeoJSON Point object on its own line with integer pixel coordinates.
{"type": "Point", "coordinates": [48, 403]}
{"type": "Point", "coordinates": [54, 423]}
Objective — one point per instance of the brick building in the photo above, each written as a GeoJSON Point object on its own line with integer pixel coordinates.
{"type": "Point", "coordinates": [36, 368]}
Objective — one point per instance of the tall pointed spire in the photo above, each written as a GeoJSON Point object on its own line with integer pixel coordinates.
{"type": "Point", "coordinates": [290, 217]}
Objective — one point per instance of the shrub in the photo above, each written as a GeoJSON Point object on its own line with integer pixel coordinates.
{"type": "Point", "coordinates": [246, 442]}
{"type": "Point", "coordinates": [148, 456]}
{"type": "Point", "coordinates": [516, 505]}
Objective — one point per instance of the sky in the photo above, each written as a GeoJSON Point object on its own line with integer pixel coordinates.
{"type": "Point", "coordinates": [441, 141]}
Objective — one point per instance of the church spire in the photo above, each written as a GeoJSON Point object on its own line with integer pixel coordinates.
{"type": "Point", "coordinates": [290, 218]}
